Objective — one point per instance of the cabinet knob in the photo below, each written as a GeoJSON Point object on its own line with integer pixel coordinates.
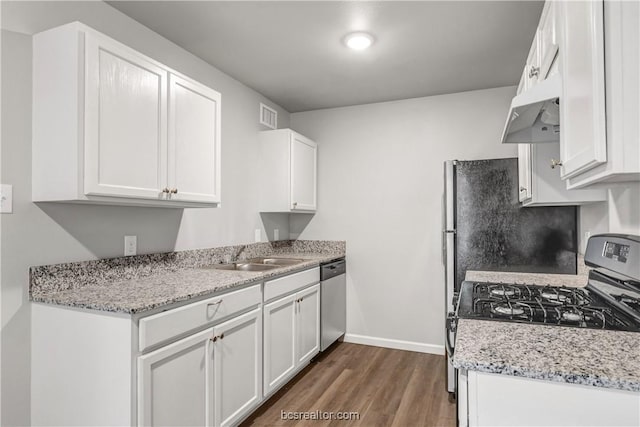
{"type": "Point", "coordinates": [295, 204]}
{"type": "Point", "coordinates": [522, 189]}
{"type": "Point", "coordinates": [214, 339]}
{"type": "Point", "coordinates": [174, 191]}
{"type": "Point", "coordinates": [555, 163]}
{"type": "Point", "coordinates": [165, 190]}
{"type": "Point", "coordinates": [533, 71]}
{"type": "Point", "coordinates": [222, 335]}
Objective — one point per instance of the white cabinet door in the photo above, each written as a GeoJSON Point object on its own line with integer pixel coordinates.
{"type": "Point", "coordinates": [125, 122]}
{"type": "Point", "coordinates": [583, 142]}
{"type": "Point", "coordinates": [279, 342]}
{"type": "Point", "coordinates": [524, 172]}
{"type": "Point", "coordinates": [308, 324]}
{"type": "Point", "coordinates": [174, 384]}
{"type": "Point", "coordinates": [548, 40]}
{"type": "Point", "coordinates": [194, 141]}
{"type": "Point", "coordinates": [237, 361]}
{"type": "Point", "coordinates": [303, 173]}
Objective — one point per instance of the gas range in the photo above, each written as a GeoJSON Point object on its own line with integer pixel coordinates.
{"type": "Point", "coordinates": [551, 305]}
{"type": "Point", "coordinates": [610, 300]}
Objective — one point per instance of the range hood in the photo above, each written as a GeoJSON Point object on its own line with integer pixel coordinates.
{"type": "Point", "coordinates": [534, 115]}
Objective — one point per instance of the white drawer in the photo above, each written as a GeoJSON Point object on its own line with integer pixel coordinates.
{"type": "Point", "coordinates": [162, 326]}
{"type": "Point", "coordinates": [291, 283]}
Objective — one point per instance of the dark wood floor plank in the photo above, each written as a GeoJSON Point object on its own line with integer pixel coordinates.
{"type": "Point", "coordinates": [386, 387]}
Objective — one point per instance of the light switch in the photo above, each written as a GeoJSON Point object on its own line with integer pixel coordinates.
{"type": "Point", "coordinates": [6, 198]}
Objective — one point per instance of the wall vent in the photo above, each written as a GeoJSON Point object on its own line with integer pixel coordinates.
{"type": "Point", "coordinates": [268, 117]}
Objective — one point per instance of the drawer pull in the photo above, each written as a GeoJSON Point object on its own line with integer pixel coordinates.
{"type": "Point", "coordinates": [211, 304]}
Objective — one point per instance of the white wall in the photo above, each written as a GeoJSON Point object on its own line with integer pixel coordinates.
{"type": "Point", "coordinates": [380, 189]}
{"type": "Point", "coordinates": [53, 233]}
{"type": "Point", "coordinates": [619, 214]}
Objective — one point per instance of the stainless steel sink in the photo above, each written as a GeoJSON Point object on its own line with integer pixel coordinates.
{"type": "Point", "coordinates": [242, 266]}
{"type": "Point", "coordinates": [275, 261]}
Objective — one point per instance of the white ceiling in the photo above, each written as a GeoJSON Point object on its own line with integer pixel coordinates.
{"type": "Point", "coordinates": [291, 51]}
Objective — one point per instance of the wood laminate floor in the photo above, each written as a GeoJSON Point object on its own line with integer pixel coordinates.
{"type": "Point", "coordinates": [385, 387]}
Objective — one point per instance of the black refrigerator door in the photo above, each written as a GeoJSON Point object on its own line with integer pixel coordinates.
{"type": "Point", "coordinates": [495, 233]}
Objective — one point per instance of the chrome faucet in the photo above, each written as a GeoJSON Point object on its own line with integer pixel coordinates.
{"type": "Point", "coordinates": [242, 248]}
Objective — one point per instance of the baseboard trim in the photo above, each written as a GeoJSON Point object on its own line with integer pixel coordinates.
{"type": "Point", "coordinates": [396, 344]}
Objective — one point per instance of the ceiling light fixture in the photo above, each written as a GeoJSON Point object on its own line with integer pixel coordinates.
{"type": "Point", "coordinates": [358, 41]}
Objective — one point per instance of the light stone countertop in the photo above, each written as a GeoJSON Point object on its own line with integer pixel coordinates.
{"type": "Point", "coordinates": [593, 357]}
{"type": "Point", "coordinates": [141, 283]}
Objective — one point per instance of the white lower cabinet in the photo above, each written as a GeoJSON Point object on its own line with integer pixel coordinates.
{"type": "Point", "coordinates": [504, 400]}
{"type": "Point", "coordinates": [198, 364]}
{"type": "Point", "coordinates": [210, 378]}
{"type": "Point", "coordinates": [291, 335]}
{"type": "Point", "coordinates": [175, 383]}
{"type": "Point", "coordinates": [237, 368]}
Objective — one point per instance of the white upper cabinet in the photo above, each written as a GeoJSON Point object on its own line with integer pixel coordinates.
{"type": "Point", "coordinates": [539, 179]}
{"type": "Point", "coordinates": [289, 177]}
{"type": "Point", "coordinates": [125, 120]}
{"type": "Point", "coordinates": [524, 172]}
{"type": "Point", "coordinates": [194, 141]}
{"type": "Point", "coordinates": [113, 126]}
{"type": "Point", "coordinates": [622, 86]}
{"type": "Point", "coordinates": [583, 143]}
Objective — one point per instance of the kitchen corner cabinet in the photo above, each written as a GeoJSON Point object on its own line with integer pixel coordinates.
{"type": "Point", "coordinates": [112, 126]}
{"type": "Point", "coordinates": [289, 172]}
{"type": "Point", "coordinates": [291, 330]}
{"type": "Point", "coordinates": [539, 179]}
{"type": "Point", "coordinates": [503, 400]}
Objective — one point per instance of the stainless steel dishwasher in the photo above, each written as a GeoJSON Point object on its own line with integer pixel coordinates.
{"type": "Point", "coordinates": [333, 294]}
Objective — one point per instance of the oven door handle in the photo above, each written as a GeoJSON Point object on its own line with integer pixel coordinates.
{"type": "Point", "coordinates": [450, 329]}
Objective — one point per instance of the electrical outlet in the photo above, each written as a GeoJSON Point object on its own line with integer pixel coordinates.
{"type": "Point", "coordinates": [130, 245]}
{"type": "Point", "coordinates": [257, 235]}
{"type": "Point", "coordinates": [276, 234]}
{"type": "Point", "coordinates": [6, 198]}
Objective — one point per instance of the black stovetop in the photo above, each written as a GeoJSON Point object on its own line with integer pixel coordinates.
{"type": "Point", "coordinates": [551, 305]}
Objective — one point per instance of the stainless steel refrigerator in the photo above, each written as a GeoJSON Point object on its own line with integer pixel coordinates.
{"type": "Point", "coordinates": [486, 228]}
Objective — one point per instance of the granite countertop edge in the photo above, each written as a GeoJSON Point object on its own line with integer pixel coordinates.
{"type": "Point", "coordinates": [554, 376]}
{"type": "Point", "coordinates": [599, 358]}
{"type": "Point", "coordinates": [219, 281]}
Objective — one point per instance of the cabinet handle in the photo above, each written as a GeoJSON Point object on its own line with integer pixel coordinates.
{"type": "Point", "coordinates": [555, 163]}
{"type": "Point", "coordinates": [533, 71]}
{"type": "Point", "coordinates": [522, 189]}
{"type": "Point", "coordinates": [174, 191]}
{"type": "Point", "coordinates": [214, 303]}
